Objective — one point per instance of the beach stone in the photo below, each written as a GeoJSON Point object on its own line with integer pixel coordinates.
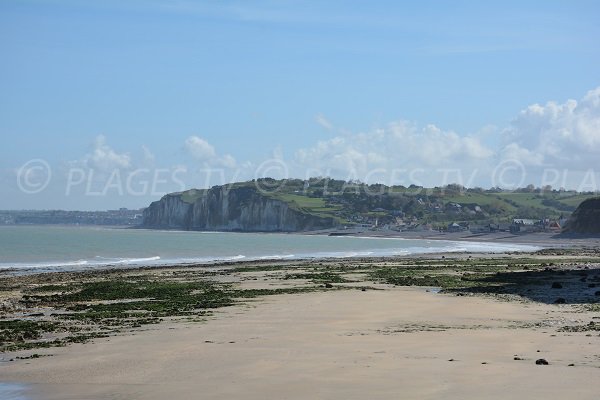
{"type": "Point", "coordinates": [557, 285]}
{"type": "Point", "coordinates": [541, 361]}
{"type": "Point", "coordinates": [560, 300]}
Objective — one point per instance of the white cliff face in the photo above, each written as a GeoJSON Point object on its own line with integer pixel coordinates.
{"type": "Point", "coordinates": [225, 209]}
{"type": "Point", "coordinates": [170, 212]}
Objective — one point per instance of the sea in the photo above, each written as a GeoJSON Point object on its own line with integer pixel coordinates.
{"type": "Point", "coordinates": [43, 248]}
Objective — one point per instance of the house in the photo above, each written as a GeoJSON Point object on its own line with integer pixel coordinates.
{"type": "Point", "coordinates": [454, 227]}
{"type": "Point", "coordinates": [554, 226]}
{"type": "Point", "coordinates": [525, 225]}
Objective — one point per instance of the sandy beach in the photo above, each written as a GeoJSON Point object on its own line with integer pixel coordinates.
{"type": "Point", "coordinates": [381, 341]}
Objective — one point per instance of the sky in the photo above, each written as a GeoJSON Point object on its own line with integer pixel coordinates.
{"type": "Point", "coordinates": [107, 104]}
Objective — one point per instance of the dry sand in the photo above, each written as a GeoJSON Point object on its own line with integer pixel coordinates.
{"type": "Point", "coordinates": [391, 344]}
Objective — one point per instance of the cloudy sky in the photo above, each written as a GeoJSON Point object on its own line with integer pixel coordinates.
{"type": "Point", "coordinates": [107, 104]}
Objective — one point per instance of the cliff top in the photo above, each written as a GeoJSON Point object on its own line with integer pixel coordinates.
{"type": "Point", "coordinates": [356, 202]}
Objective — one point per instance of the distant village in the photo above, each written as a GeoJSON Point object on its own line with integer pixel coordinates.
{"type": "Point", "coordinates": [379, 219]}
{"type": "Point", "coordinates": [120, 217]}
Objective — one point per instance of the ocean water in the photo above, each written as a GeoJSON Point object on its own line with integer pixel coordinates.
{"type": "Point", "coordinates": [50, 248]}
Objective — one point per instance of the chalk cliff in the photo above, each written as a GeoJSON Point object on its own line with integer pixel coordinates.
{"type": "Point", "coordinates": [224, 208]}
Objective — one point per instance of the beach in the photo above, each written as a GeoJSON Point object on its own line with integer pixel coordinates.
{"type": "Point", "coordinates": [332, 329]}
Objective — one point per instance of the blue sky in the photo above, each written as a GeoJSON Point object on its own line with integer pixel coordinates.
{"type": "Point", "coordinates": [300, 81]}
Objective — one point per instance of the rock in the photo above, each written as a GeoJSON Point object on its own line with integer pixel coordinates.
{"type": "Point", "coordinates": [328, 285]}
{"type": "Point", "coordinates": [541, 361]}
{"type": "Point", "coordinates": [517, 359]}
{"type": "Point", "coordinates": [557, 285]}
{"type": "Point", "coordinates": [560, 300]}
{"type": "Point", "coordinates": [363, 289]}
{"type": "Point", "coordinates": [571, 365]}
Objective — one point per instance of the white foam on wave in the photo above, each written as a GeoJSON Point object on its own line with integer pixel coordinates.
{"type": "Point", "coordinates": [46, 264]}
{"type": "Point", "coordinates": [98, 261]}
{"type": "Point", "coordinates": [136, 260]}
{"type": "Point", "coordinates": [276, 257]}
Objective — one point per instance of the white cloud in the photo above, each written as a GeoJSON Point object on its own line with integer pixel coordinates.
{"type": "Point", "coordinates": [204, 152]}
{"type": "Point", "coordinates": [199, 148]}
{"type": "Point", "coordinates": [561, 136]}
{"type": "Point", "coordinates": [557, 135]}
{"type": "Point", "coordinates": [149, 157]}
{"type": "Point", "coordinates": [324, 122]}
{"type": "Point", "coordinates": [401, 145]}
{"type": "Point", "coordinates": [104, 158]}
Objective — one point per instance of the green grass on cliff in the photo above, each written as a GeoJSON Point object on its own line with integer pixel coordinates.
{"type": "Point", "coordinates": [343, 202]}
{"type": "Point", "coordinates": [190, 196]}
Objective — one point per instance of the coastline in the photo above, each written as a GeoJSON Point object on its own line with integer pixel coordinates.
{"type": "Point", "coordinates": [329, 328]}
{"type": "Point", "coordinates": [546, 239]}
{"type": "Point", "coordinates": [131, 250]}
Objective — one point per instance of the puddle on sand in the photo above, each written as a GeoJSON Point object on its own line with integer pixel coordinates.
{"type": "Point", "coordinates": [13, 391]}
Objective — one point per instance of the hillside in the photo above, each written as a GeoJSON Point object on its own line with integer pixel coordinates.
{"type": "Point", "coordinates": [294, 204]}
{"type": "Point", "coordinates": [586, 218]}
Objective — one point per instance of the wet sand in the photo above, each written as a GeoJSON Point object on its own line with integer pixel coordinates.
{"type": "Point", "coordinates": [395, 343]}
{"type": "Point", "coordinates": [385, 342]}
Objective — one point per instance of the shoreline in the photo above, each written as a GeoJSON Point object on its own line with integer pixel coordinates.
{"type": "Point", "coordinates": [498, 243]}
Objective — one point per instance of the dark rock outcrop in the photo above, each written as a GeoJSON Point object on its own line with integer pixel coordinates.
{"type": "Point", "coordinates": [586, 218]}
{"type": "Point", "coordinates": [223, 208]}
